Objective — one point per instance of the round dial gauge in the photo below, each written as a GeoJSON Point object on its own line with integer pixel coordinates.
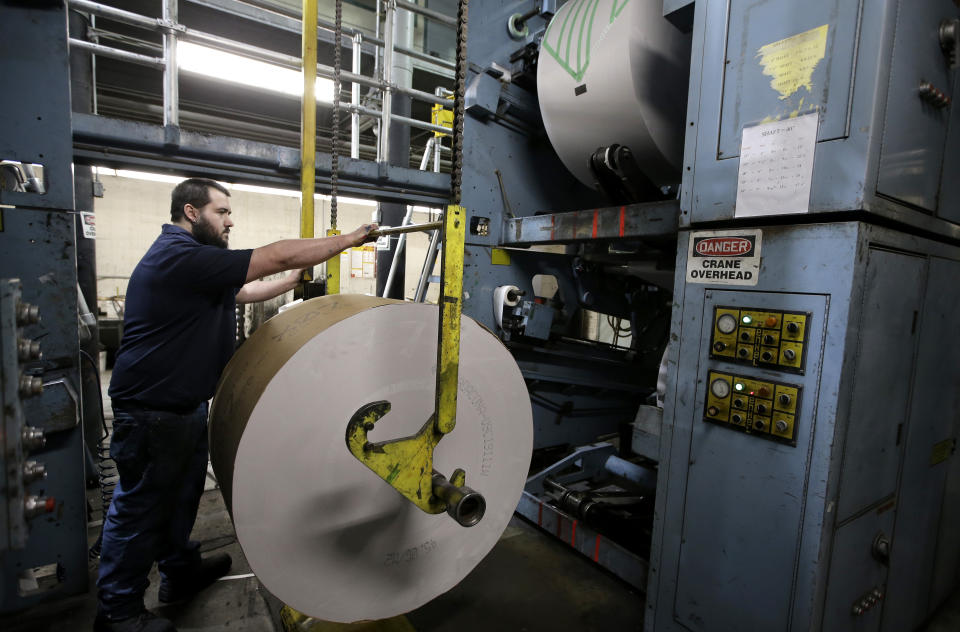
{"type": "Point", "coordinates": [726, 324]}
{"type": "Point", "coordinates": [720, 388]}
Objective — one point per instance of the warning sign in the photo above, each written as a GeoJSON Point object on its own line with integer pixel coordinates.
{"type": "Point", "coordinates": [724, 257]}
{"type": "Point", "coordinates": [89, 223]}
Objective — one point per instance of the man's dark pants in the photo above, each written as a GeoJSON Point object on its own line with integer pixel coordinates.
{"type": "Point", "coordinates": [162, 462]}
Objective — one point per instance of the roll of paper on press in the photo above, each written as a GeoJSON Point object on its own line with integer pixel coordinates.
{"type": "Point", "coordinates": [504, 296]}
{"type": "Point", "coordinates": [323, 532]}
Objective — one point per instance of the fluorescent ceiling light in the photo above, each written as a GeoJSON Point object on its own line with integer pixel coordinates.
{"type": "Point", "coordinates": [250, 188]}
{"type": "Point", "coordinates": [226, 66]}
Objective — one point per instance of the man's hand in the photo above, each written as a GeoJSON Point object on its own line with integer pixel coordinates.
{"type": "Point", "coordinates": [361, 235]}
{"type": "Point", "coordinates": [293, 277]}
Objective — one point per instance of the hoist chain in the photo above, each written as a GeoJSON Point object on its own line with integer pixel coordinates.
{"type": "Point", "coordinates": [335, 136]}
{"type": "Point", "coordinates": [456, 175]}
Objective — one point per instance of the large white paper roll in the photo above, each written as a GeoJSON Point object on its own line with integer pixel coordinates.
{"type": "Point", "coordinates": [322, 532]}
{"type": "Point", "coordinates": [615, 71]}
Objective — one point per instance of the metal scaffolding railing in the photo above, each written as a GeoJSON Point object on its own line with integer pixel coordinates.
{"type": "Point", "coordinates": [173, 32]}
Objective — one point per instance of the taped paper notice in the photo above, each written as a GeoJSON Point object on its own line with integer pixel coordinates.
{"type": "Point", "coordinates": [776, 167]}
{"type": "Point", "coordinates": [724, 257]}
{"type": "Point", "coordinates": [790, 62]}
{"type": "Point", "coordinates": [363, 262]}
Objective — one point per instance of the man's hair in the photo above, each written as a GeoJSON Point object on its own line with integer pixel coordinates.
{"type": "Point", "coordinates": [192, 191]}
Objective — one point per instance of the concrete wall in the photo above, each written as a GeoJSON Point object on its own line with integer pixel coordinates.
{"type": "Point", "coordinates": [131, 212]}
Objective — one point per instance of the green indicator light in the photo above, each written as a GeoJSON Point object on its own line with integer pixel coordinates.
{"type": "Point", "coordinates": [738, 386]}
{"type": "Point", "coordinates": [747, 320]}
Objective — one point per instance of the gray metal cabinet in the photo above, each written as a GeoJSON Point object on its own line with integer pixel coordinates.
{"type": "Point", "coordinates": [851, 525]}
{"type": "Point", "coordinates": [919, 543]}
{"type": "Point", "coordinates": [745, 496]}
{"type": "Point", "coordinates": [860, 65]}
{"type": "Point", "coordinates": [880, 382]}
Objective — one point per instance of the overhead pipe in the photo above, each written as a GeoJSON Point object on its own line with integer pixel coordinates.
{"type": "Point", "coordinates": [171, 83]}
{"type": "Point", "coordinates": [355, 100]}
{"type": "Point", "coordinates": [387, 100]}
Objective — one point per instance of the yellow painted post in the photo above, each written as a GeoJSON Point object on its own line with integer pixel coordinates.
{"type": "Point", "coordinates": [451, 299]}
{"type": "Point", "coordinates": [308, 122]}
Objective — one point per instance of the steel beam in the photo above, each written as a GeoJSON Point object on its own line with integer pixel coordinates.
{"type": "Point", "coordinates": [652, 219]}
{"type": "Point", "coordinates": [608, 554]}
{"type": "Point", "coordinates": [103, 141]}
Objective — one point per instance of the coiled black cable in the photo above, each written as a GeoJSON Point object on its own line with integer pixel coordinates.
{"type": "Point", "coordinates": [107, 476]}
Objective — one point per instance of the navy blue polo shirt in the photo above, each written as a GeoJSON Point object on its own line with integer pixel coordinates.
{"type": "Point", "coordinates": [179, 322]}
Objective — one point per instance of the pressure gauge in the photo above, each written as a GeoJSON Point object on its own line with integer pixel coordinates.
{"type": "Point", "coordinates": [726, 324]}
{"type": "Point", "coordinates": [720, 388]}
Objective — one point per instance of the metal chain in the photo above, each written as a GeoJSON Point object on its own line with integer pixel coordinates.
{"type": "Point", "coordinates": [456, 175]}
{"type": "Point", "coordinates": [335, 136]}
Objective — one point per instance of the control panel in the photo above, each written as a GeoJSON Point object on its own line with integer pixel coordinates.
{"type": "Point", "coordinates": [767, 409]}
{"type": "Point", "coordinates": [776, 340]}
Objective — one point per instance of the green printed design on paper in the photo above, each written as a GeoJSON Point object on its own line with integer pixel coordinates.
{"type": "Point", "coordinates": [616, 9]}
{"type": "Point", "coordinates": [577, 24]}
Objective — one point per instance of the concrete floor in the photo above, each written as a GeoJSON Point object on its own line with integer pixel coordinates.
{"type": "Point", "coordinates": [529, 582]}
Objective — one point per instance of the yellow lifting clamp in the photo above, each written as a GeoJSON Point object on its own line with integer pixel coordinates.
{"type": "Point", "coordinates": [407, 463]}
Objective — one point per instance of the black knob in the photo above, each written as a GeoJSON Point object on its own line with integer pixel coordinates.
{"type": "Point", "coordinates": [745, 336]}
{"type": "Point", "coordinates": [737, 419]}
{"type": "Point", "coordinates": [761, 409]}
{"type": "Point", "coordinates": [719, 346]}
{"type": "Point", "coordinates": [758, 425]}
{"type": "Point", "coordinates": [768, 339]}
{"type": "Point", "coordinates": [738, 403]}
{"type": "Point", "coordinates": [793, 328]}
{"type": "Point", "coordinates": [743, 353]}
{"type": "Point", "coordinates": [784, 399]}
{"type": "Point", "coordinates": [766, 356]}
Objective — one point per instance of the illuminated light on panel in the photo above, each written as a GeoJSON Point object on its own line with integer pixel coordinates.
{"type": "Point", "coordinates": [747, 320]}
{"type": "Point", "coordinates": [739, 386]}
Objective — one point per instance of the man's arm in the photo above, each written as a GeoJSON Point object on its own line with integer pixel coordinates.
{"type": "Point", "coordinates": [291, 254]}
{"type": "Point", "coordinates": [256, 291]}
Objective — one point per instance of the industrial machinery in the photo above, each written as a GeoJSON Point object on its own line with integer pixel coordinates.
{"type": "Point", "coordinates": [803, 441]}
{"type": "Point", "coordinates": [719, 239]}
{"type": "Point", "coordinates": [43, 548]}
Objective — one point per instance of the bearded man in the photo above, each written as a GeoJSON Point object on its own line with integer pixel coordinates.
{"type": "Point", "coordinates": [179, 333]}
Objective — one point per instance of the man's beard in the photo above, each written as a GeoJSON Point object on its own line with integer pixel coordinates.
{"type": "Point", "coordinates": [206, 234]}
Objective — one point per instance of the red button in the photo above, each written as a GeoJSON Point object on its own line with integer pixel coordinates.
{"type": "Point", "coordinates": [771, 321]}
